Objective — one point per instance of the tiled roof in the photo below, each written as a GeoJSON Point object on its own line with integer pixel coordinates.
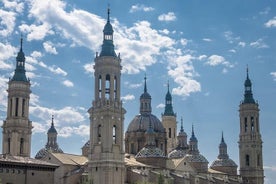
{"type": "Point", "coordinates": [70, 159]}
{"type": "Point", "coordinates": [8, 159]}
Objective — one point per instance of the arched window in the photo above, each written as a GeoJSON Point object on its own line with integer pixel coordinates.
{"type": "Point", "coordinates": [170, 133]}
{"type": "Point", "coordinates": [115, 87]}
{"type": "Point", "coordinates": [10, 107]}
{"type": "Point", "coordinates": [258, 160]}
{"type": "Point", "coordinates": [114, 134]}
{"type": "Point", "coordinates": [245, 124]}
{"type": "Point", "coordinates": [100, 85]}
{"type": "Point", "coordinates": [23, 107]}
{"type": "Point", "coordinates": [247, 161]}
{"type": "Point", "coordinates": [9, 145]}
{"type": "Point", "coordinates": [252, 124]}
{"type": "Point", "coordinates": [21, 146]}
{"type": "Point", "coordinates": [99, 133]}
{"type": "Point", "coordinates": [16, 106]}
{"type": "Point", "coordinates": [107, 86]}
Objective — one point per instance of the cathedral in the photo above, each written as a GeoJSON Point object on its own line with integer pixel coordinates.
{"type": "Point", "coordinates": [149, 151]}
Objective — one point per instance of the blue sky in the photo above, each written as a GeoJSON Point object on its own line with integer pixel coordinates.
{"type": "Point", "coordinates": [201, 47]}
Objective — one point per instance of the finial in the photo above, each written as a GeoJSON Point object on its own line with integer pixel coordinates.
{"type": "Point", "coordinates": [52, 120]}
{"type": "Point", "coordinates": [168, 85]}
{"type": "Point", "coordinates": [222, 138]}
{"type": "Point", "coordinates": [193, 133]}
{"type": "Point", "coordinates": [21, 42]}
{"type": "Point", "coordinates": [145, 86]}
{"type": "Point", "coordinates": [108, 13]}
{"type": "Point", "coordinates": [247, 71]}
{"type": "Point", "coordinates": [181, 130]}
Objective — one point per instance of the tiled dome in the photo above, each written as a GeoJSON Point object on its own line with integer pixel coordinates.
{"type": "Point", "coordinates": [195, 158]}
{"type": "Point", "coordinates": [141, 122]}
{"type": "Point", "coordinates": [177, 153]}
{"type": "Point", "coordinates": [151, 151]}
{"type": "Point", "coordinates": [224, 163]}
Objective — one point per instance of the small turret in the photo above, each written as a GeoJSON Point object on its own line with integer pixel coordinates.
{"type": "Point", "coordinates": [248, 96]}
{"type": "Point", "coordinates": [108, 46]}
{"type": "Point", "coordinates": [19, 74]}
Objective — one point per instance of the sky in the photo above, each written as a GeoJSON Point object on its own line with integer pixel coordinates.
{"type": "Point", "coordinates": [202, 48]}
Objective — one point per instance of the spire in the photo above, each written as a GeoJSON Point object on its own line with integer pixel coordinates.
{"type": "Point", "coordinates": [181, 129]}
{"type": "Point", "coordinates": [168, 103]}
{"type": "Point", "coordinates": [193, 143]}
{"type": "Point", "coordinates": [248, 96]}
{"type": "Point", "coordinates": [108, 46]}
{"type": "Point", "coordinates": [145, 100]}
{"type": "Point", "coordinates": [52, 129]}
{"type": "Point", "coordinates": [223, 149]}
{"type": "Point", "coordinates": [145, 84]}
{"type": "Point", "coordinates": [19, 73]}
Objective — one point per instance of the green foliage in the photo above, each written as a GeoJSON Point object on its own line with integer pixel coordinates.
{"type": "Point", "coordinates": [161, 179]}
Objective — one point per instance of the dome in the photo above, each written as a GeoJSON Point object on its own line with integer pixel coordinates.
{"type": "Point", "coordinates": [42, 153]}
{"type": "Point", "coordinates": [224, 163]}
{"type": "Point", "coordinates": [140, 123]}
{"type": "Point", "coordinates": [195, 158]}
{"type": "Point", "coordinates": [52, 129]}
{"type": "Point", "coordinates": [177, 153]}
{"type": "Point", "coordinates": [150, 151]}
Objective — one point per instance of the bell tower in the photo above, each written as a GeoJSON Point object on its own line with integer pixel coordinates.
{"type": "Point", "coordinates": [106, 160]}
{"type": "Point", "coordinates": [169, 122]}
{"type": "Point", "coordinates": [250, 141]}
{"type": "Point", "coordinates": [17, 128]}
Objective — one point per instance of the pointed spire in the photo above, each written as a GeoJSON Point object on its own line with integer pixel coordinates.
{"type": "Point", "coordinates": [222, 138]}
{"type": "Point", "coordinates": [21, 43]}
{"type": "Point", "coordinates": [168, 103]}
{"type": "Point", "coordinates": [193, 137]}
{"type": "Point", "coordinates": [145, 84]}
{"type": "Point", "coordinates": [108, 13]}
{"type": "Point", "coordinates": [181, 129]}
{"type": "Point", "coordinates": [248, 96]}
{"type": "Point", "coordinates": [52, 129]}
{"type": "Point", "coordinates": [223, 149]}
{"type": "Point", "coordinates": [108, 46]}
{"type": "Point", "coordinates": [145, 100]}
{"type": "Point", "coordinates": [19, 73]}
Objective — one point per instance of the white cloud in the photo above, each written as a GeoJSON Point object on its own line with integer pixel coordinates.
{"type": "Point", "coordinates": [3, 93]}
{"type": "Point", "coordinates": [271, 168]}
{"type": "Point", "coordinates": [170, 16]}
{"type": "Point", "coordinates": [140, 7]}
{"type": "Point", "coordinates": [128, 97]}
{"type": "Point", "coordinates": [202, 57]}
{"type": "Point", "coordinates": [207, 39]}
{"type": "Point", "coordinates": [273, 75]}
{"type": "Point", "coordinates": [165, 31]}
{"type": "Point", "coordinates": [39, 128]}
{"type": "Point", "coordinates": [132, 86]}
{"type": "Point", "coordinates": [57, 70]}
{"type": "Point", "coordinates": [242, 44]}
{"type": "Point", "coordinates": [82, 130]}
{"type": "Point", "coordinates": [66, 115]}
{"type": "Point", "coordinates": [68, 83]}
{"type": "Point", "coordinates": [160, 106]}
{"type": "Point", "coordinates": [265, 11]}
{"type": "Point", "coordinates": [89, 68]}
{"type": "Point", "coordinates": [259, 44]}
{"type": "Point", "coordinates": [49, 47]}
{"type": "Point", "coordinates": [183, 41]}
{"type": "Point", "coordinates": [183, 73]}
{"type": "Point", "coordinates": [232, 50]}
{"type": "Point", "coordinates": [271, 23]}
{"type": "Point", "coordinates": [7, 51]}
{"type": "Point", "coordinates": [215, 60]}
{"type": "Point", "coordinates": [36, 32]}
{"type": "Point", "coordinates": [229, 36]}
{"type": "Point", "coordinates": [7, 22]}
{"type": "Point", "coordinates": [15, 5]}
